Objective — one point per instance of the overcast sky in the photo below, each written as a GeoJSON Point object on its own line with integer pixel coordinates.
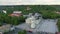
{"type": "Point", "coordinates": [29, 2]}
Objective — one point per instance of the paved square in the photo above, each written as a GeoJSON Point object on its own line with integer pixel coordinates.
{"type": "Point", "coordinates": [46, 25]}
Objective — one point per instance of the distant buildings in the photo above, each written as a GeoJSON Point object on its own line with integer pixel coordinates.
{"type": "Point", "coordinates": [16, 13]}
{"type": "Point", "coordinates": [28, 8]}
{"type": "Point", "coordinates": [58, 12]}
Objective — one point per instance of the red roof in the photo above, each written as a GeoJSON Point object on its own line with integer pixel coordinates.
{"type": "Point", "coordinates": [15, 14]}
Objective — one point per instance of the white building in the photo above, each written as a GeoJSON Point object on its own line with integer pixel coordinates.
{"type": "Point", "coordinates": [4, 11]}
{"type": "Point", "coordinates": [17, 12]}
{"type": "Point", "coordinates": [33, 25]}
{"type": "Point", "coordinates": [29, 20]}
{"type": "Point", "coordinates": [33, 21]}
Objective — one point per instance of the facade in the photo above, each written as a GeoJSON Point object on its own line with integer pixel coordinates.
{"type": "Point", "coordinates": [29, 20]}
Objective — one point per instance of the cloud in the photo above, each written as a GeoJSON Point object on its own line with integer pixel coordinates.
{"type": "Point", "coordinates": [29, 2]}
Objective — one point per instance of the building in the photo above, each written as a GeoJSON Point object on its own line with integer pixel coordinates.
{"type": "Point", "coordinates": [4, 11]}
{"type": "Point", "coordinates": [16, 13]}
{"type": "Point", "coordinates": [33, 20]}
{"type": "Point", "coordinates": [28, 8]}
{"type": "Point", "coordinates": [29, 20]}
{"type": "Point", "coordinates": [41, 26]}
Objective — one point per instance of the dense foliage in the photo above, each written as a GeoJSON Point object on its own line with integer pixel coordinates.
{"type": "Point", "coordinates": [4, 18]}
{"type": "Point", "coordinates": [22, 32]}
{"type": "Point", "coordinates": [46, 11]}
{"type": "Point", "coordinates": [49, 14]}
{"type": "Point", "coordinates": [58, 24]}
{"type": "Point", "coordinates": [34, 8]}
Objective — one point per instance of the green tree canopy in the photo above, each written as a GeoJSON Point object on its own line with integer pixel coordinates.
{"type": "Point", "coordinates": [22, 32]}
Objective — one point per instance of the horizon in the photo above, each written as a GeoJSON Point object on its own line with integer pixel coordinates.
{"type": "Point", "coordinates": [29, 2]}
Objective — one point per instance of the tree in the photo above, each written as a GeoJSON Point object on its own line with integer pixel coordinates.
{"type": "Point", "coordinates": [21, 19]}
{"type": "Point", "coordinates": [22, 32]}
{"type": "Point", "coordinates": [58, 24]}
{"type": "Point", "coordinates": [48, 14]}
{"type": "Point", "coordinates": [14, 20]}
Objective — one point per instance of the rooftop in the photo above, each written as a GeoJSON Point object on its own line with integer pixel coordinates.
{"type": "Point", "coordinates": [17, 11]}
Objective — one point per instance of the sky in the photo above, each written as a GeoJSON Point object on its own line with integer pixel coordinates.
{"type": "Point", "coordinates": [29, 2]}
